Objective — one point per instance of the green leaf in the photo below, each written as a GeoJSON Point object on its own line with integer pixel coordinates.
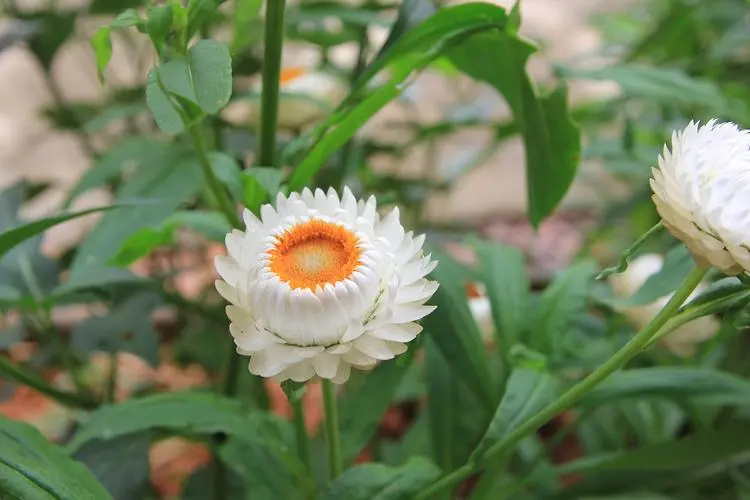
{"type": "Point", "coordinates": [453, 329]}
{"type": "Point", "coordinates": [411, 53]}
{"type": "Point", "coordinates": [13, 237]}
{"type": "Point", "coordinates": [200, 13]}
{"type": "Point", "coordinates": [102, 47]}
{"type": "Point", "coordinates": [504, 275]}
{"type": "Point", "coordinates": [139, 244]}
{"type": "Point", "coordinates": [362, 407]}
{"type": "Point", "coordinates": [664, 85]}
{"type": "Point", "coordinates": [159, 24]}
{"type": "Point", "coordinates": [127, 328]}
{"type": "Point", "coordinates": [113, 114]}
{"type": "Point", "coordinates": [211, 70]}
{"type": "Point", "coordinates": [121, 464]}
{"type": "Point", "coordinates": [133, 152]}
{"type": "Point", "coordinates": [245, 12]}
{"type": "Point", "coordinates": [410, 14]}
{"type": "Point", "coordinates": [162, 107]}
{"type": "Point", "coordinates": [228, 171]}
{"type": "Point", "coordinates": [172, 179]}
{"type": "Point", "coordinates": [176, 78]}
{"type": "Point", "coordinates": [551, 138]}
{"type": "Point", "coordinates": [191, 412]}
{"type": "Point", "coordinates": [258, 183]}
{"type": "Point", "coordinates": [101, 42]}
{"type": "Point", "coordinates": [264, 458]}
{"type": "Point", "coordinates": [380, 482]}
{"type": "Point", "coordinates": [672, 383]}
{"type": "Point", "coordinates": [452, 431]}
{"type": "Point", "coordinates": [563, 300]}
{"type": "Point", "coordinates": [677, 264]}
{"type": "Point", "coordinates": [33, 468]}
{"type": "Point", "coordinates": [527, 392]}
{"type": "Point", "coordinates": [212, 225]}
{"type": "Point", "coordinates": [699, 449]}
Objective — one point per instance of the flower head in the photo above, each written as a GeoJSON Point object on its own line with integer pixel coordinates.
{"type": "Point", "coordinates": [702, 192]}
{"type": "Point", "coordinates": [683, 340]}
{"type": "Point", "coordinates": [320, 284]}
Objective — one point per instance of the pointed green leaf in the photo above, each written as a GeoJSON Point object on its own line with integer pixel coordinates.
{"type": "Point", "coordinates": [563, 300]}
{"type": "Point", "coordinates": [13, 237]}
{"type": "Point", "coordinates": [527, 393]}
{"type": "Point", "coordinates": [33, 468]}
{"type": "Point", "coordinates": [453, 329]}
{"type": "Point", "coordinates": [362, 407]}
{"type": "Point", "coordinates": [161, 106]}
{"type": "Point", "coordinates": [192, 412]}
{"type": "Point", "coordinates": [380, 482]}
{"type": "Point", "coordinates": [508, 288]}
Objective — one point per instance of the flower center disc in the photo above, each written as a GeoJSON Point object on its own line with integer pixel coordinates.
{"type": "Point", "coordinates": [315, 253]}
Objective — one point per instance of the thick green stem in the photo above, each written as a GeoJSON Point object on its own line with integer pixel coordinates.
{"type": "Point", "coordinates": [575, 393]}
{"type": "Point", "coordinates": [269, 99]}
{"type": "Point", "coordinates": [300, 429]}
{"type": "Point", "coordinates": [332, 429]}
{"type": "Point", "coordinates": [18, 374]}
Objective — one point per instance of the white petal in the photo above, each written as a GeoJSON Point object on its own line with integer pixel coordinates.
{"type": "Point", "coordinates": [405, 332]}
{"type": "Point", "coordinates": [299, 372]}
{"type": "Point", "coordinates": [405, 313]}
{"type": "Point", "coordinates": [373, 347]}
{"type": "Point", "coordinates": [264, 364]}
{"type": "Point", "coordinates": [326, 365]}
{"type": "Point", "coordinates": [342, 375]}
{"type": "Point", "coordinates": [227, 291]}
{"type": "Point", "coordinates": [228, 269]}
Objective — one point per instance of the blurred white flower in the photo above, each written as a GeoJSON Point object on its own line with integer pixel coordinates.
{"type": "Point", "coordinates": [481, 310]}
{"type": "Point", "coordinates": [320, 284]}
{"type": "Point", "coordinates": [682, 341]}
{"type": "Point", "coordinates": [305, 96]}
{"type": "Point", "coordinates": [702, 192]}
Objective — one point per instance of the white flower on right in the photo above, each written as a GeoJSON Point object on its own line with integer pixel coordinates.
{"type": "Point", "coordinates": [683, 340]}
{"type": "Point", "coordinates": [702, 193]}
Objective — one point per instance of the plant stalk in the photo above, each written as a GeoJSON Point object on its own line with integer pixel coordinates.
{"type": "Point", "coordinates": [300, 429]}
{"type": "Point", "coordinates": [269, 98]}
{"type": "Point", "coordinates": [332, 429]}
{"type": "Point", "coordinates": [70, 399]}
{"type": "Point", "coordinates": [575, 393]}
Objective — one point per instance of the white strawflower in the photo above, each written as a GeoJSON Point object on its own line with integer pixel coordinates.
{"type": "Point", "coordinates": [319, 285]}
{"type": "Point", "coordinates": [683, 340]}
{"type": "Point", "coordinates": [702, 192]}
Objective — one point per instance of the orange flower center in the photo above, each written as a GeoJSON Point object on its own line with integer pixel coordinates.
{"type": "Point", "coordinates": [288, 75]}
{"type": "Point", "coordinates": [315, 253]}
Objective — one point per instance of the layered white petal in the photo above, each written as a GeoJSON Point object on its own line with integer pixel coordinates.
{"type": "Point", "coordinates": [312, 316]}
{"type": "Point", "coordinates": [702, 193]}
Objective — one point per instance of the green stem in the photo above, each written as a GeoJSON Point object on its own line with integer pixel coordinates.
{"type": "Point", "coordinates": [269, 99]}
{"type": "Point", "coordinates": [332, 429]}
{"type": "Point", "coordinates": [575, 393]}
{"type": "Point", "coordinates": [18, 374]}
{"type": "Point", "coordinates": [225, 203]}
{"type": "Point", "coordinates": [300, 429]}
